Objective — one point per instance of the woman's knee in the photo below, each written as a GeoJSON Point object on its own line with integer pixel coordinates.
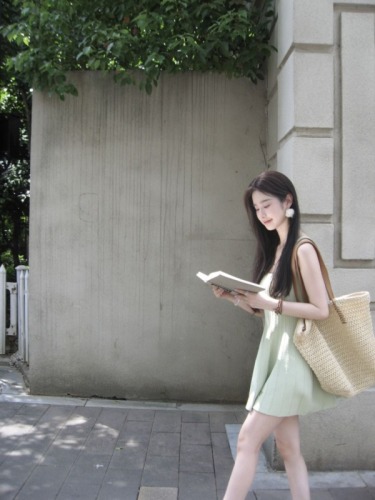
{"type": "Point", "coordinates": [288, 449]}
{"type": "Point", "coordinates": [288, 438]}
{"type": "Point", "coordinates": [248, 441]}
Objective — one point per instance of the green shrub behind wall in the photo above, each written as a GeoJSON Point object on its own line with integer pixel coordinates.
{"type": "Point", "coordinates": [172, 36]}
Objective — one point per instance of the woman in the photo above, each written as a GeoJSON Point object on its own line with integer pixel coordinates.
{"type": "Point", "coordinates": [283, 385]}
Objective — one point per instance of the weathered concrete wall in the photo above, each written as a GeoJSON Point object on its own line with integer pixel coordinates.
{"type": "Point", "coordinates": [321, 109]}
{"type": "Point", "coordinates": [131, 196]}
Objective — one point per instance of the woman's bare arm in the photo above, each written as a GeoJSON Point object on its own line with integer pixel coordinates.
{"type": "Point", "coordinates": [317, 307]}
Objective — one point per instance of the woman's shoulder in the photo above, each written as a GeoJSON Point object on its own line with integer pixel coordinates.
{"type": "Point", "coordinates": [304, 240]}
{"type": "Point", "coordinates": [307, 248]}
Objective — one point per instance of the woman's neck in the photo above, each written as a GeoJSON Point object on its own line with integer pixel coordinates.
{"type": "Point", "coordinates": [283, 231]}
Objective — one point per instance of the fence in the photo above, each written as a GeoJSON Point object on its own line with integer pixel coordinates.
{"type": "Point", "coordinates": [18, 311]}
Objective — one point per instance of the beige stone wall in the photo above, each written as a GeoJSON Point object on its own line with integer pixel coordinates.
{"type": "Point", "coordinates": [131, 196]}
{"type": "Point", "coordinates": [321, 108]}
{"type": "Point", "coordinates": [321, 130]}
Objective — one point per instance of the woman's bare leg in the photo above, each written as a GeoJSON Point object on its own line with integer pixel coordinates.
{"type": "Point", "coordinates": [254, 431]}
{"type": "Point", "coordinates": [288, 443]}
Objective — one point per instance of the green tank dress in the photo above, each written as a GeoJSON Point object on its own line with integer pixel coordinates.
{"type": "Point", "coordinates": [283, 384]}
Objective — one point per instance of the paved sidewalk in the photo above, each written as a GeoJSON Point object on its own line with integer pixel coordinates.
{"type": "Point", "coordinates": [68, 448]}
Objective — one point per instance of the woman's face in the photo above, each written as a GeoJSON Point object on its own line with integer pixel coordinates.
{"type": "Point", "coordinates": [270, 210]}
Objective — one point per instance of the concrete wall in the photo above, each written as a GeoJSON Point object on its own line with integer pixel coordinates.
{"type": "Point", "coordinates": [321, 109]}
{"type": "Point", "coordinates": [132, 195]}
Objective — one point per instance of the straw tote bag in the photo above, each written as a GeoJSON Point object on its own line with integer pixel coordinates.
{"type": "Point", "coordinates": [341, 348]}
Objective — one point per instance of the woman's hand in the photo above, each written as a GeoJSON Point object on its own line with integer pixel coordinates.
{"type": "Point", "coordinates": [237, 298]}
{"type": "Point", "coordinates": [220, 293]}
{"type": "Point", "coordinates": [257, 301]}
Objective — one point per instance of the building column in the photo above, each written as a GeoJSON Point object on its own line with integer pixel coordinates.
{"type": "Point", "coordinates": [321, 133]}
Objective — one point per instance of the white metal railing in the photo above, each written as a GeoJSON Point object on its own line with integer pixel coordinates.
{"type": "Point", "coordinates": [19, 315]}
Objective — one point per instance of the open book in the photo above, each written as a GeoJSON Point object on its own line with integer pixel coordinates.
{"type": "Point", "coordinates": [229, 282]}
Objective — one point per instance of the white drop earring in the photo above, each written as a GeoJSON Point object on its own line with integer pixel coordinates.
{"type": "Point", "coordinates": [289, 212]}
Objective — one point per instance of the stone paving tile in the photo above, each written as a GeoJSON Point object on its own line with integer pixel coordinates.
{"type": "Point", "coordinates": [38, 442]}
{"type": "Point", "coordinates": [120, 449]}
{"type": "Point", "coordinates": [222, 459]}
{"type": "Point", "coordinates": [23, 448]}
{"type": "Point", "coordinates": [33, 410]}
{"type": "Point", "coordinates": [89, 467]}
{"type": "Point", "coordinates": [54, 418]}
{"type": "Point", "coordinates": [129, 458]}
{"type": "Point", "coordinates": [12, 477]}
{"type": "Point", "coordinates": [368, 477]}
{"type": "Point", "coordinates": [9, 410]}
{"type": "Point", "coordinates": [219, 419]}
{"type": "Point", "coordinates": [222, 479]}
{"type": "Point", "coordinates": [23, 457]}
{"type": "Point", "coordinates": [333, 479]}
{"type": "Point", "coordinates": [164, 443]}
{"type": "Point", "coordinates": [267, 481]}
{"type": "Point", "coordinates": [219, 439]}
{"type": "Point", "coordinates": [8, 491]}
{"type": "Point", "coordinates": [22, 419]}
{"type": "Point", "coordinates": [112, 418]}
{"type": "Point", "coordinates": [96, 460]}
{"type": "Point", "coordinates": [350, 494]}
{"type": "Point", "coordinates": [132, 440]}
{"type": "Point", "coordinates": [105, 432]}
{"type": "Point", "coordinates": [82, 490]}
{"type": "Point", "coordinates": [44, 482]}
{"type": "Point", "coordinates": [160, 471]}
{"type": "Point", "coordinates": [194, 486]}
{"type": "Point", "coordinates": [196, 458]}
{"type": "Point", "coordinates": [167, 421]}
{"type": "Point", "coordinates": [249, 496]}
{"type": "Point", "coordinates": [71, 437]}
{"type": "Point", "coordinates": [195, 433]}
{"type": "Point", "coordinates": [272, 495]}
{"type": "Point", "coordinates": [147, 493]}
{"type": "Point", "coordinates": [141, 415]}
{"type": "Point", "coordinates": [120, 484]}
{"type": "Point", "coordinates": [321, 495]}
{"type": "Point", "coordinates": [101, 440]}
{"type": "Point", "coordinates": [60, 455]}
{"type": "Point", "coordinates": [136, 428]}
{"type": "Point", "coordinates": [16, 431]}
{"type": "Point", "coordinates": [195, 417]}
{"type": "Point", "coordinates": [84, 416]}
{"type": "Point", "coordinates": [21, 443]}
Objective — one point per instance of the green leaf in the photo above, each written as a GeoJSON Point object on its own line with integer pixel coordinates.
{"type": "Point", "coordinates": [50, 38]}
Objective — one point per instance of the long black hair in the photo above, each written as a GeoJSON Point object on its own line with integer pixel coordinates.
{"type": "Point", "coordinates": [278, 185]}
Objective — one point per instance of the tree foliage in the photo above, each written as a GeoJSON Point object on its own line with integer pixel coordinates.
{"type": "Point", "coordinates": [15, 118]}
{"type": "Point", "coordinates": [137, 40]}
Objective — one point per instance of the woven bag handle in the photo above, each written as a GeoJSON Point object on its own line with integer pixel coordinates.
{"type": "Point", "coordinates": [296, 274]}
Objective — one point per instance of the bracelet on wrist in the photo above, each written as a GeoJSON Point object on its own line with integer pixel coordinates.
{"type": "Point", "coordinates": [279, 308]}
